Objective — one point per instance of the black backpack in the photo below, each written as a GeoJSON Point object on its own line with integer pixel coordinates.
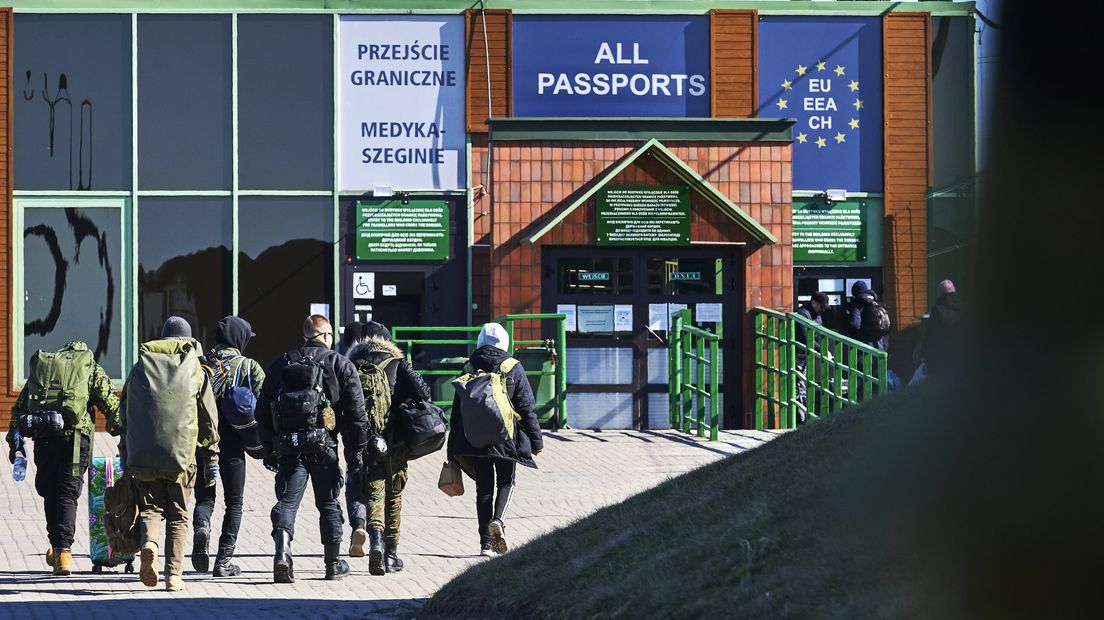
{"type": "Point", "coordinates": [422, 427]}
{"type": "Point", "coordinates": [301, 396]}
{"type": "Point", "coordinates": [874, 322]}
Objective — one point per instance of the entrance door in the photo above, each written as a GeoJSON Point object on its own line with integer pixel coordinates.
{"type": "Point", "coordinates": [621, 299]}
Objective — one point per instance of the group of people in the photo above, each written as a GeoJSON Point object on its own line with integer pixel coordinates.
{"type": "Point", "coordinates": [865, 323]}
{"type": "Point", "coordinates": [188, 418]}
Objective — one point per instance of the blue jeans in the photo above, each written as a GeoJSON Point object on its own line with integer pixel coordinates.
{"type": "Point", "coordinates": [291, 481]}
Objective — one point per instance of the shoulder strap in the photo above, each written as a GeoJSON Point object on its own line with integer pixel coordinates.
{"type": "Point", "coordinates": [507, 365]}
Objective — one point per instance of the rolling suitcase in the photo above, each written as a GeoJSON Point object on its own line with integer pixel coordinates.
{"type": "Point", "coordinates": [102, 473]}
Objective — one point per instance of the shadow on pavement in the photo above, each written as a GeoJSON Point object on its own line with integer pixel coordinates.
{"type": "Point", "coordinates": [177, 605]}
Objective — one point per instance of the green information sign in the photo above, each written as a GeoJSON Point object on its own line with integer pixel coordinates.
{"type": "Point", "coordinates": [389, 230]}
{"type": "Point", "coordinates": [643, 215]}
{"type": "Point", "coordinates": [833, 233]}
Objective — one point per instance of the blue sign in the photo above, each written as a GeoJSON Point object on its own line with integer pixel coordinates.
{"type": "Point", "coordinates": [827, 73]}
{"type": "Point", "coordinates": [610, 66]}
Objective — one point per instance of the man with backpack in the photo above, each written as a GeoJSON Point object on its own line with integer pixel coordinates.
{"type": "Point", "coordinates": [310, 395]}
{"type": "Point", "coordinates": [230, 373]}
{"type": "Point", "coordinates": [388, 381]}
{"type": "Point", "coordinates": [485, 440]}
{"type": "Point", "coordinates": [868, 319]}
{"type": "Point", "coordinates": [57, 409]}
{"type": "Point", "coordinates": [168, 412]}
{"type": "Point", "coordinates": [813, 310]}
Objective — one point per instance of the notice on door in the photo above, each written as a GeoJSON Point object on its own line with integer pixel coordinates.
{"type": "Point", "coordinates": [623, 318]}
{"type": "Point", "coordinates": [595, 319]}
{"type": "Point", "coordinates": [568, 310]}
{"type": "Point", "coordinates": [389, 230]}
{"type": "Point", "coordinates": [364, 285]}
{"type": "Point", "coordinates": [643, 215]}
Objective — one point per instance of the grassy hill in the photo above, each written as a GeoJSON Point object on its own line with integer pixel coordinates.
{"type": "Point", "coordinates": [810, 525]}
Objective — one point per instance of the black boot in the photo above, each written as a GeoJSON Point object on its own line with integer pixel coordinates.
{"type": "Point", "coordinates": [391, 560]}
{"type": "Point", "coordinates": [283, 570]}
{"type": "Point", "coordinates": [201, 562]}
{"type": "Point", "coordinates": [375, 552]}
{"type": "Point", "coordinates": [336, 568]}
{"type": "Point", "coordinates": [223, 566]}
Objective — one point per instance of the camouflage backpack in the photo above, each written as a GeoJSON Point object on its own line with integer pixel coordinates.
{"type": "Point", "coordinates": [58, 383]}
{"type": "Point", "coordinates": [377, 392]}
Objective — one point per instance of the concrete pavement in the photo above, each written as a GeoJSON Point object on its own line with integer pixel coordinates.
{"type": "Point", "coordinates": [580, 472]}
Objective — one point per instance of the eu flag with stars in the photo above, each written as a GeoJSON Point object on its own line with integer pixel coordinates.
{"type": "Point", "coordinates": [827, 73]}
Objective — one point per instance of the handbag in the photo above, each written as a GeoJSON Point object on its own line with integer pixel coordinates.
{"type": "Point", "coordinates": [451, 481]}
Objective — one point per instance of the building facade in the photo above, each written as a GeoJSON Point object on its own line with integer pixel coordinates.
{"type": "Point", "coordinates": [445, 165]}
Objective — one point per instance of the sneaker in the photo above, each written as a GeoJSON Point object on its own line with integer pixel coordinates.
{"type": "Point", "coordinates": [148, 571]}
{"type": "Point", "coordinates": [486, 551]}
{"type": "Point", "coordinates": [174, 584]}
{"type": "Point", "coordinates": [497, 530]}
{"type": "Point", "coordinates": [356, 549]}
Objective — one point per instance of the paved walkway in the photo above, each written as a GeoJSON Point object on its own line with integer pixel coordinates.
{"type": "Point", "coordinates": [580, 472]}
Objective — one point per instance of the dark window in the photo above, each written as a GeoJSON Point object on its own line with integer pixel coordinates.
{"type": "Point", "coordinates": [184, 112]}
{"type": "Point", "coordinates": [184, 266]}
{"type": "Point", "coordinates": [684, 276]}
{"type": "Point", "coordinates": [596, 276]}
{"type": "Point", "coordinates": [71, 282]}
{"type": "Point", "coordinates": [72, 100]}
{"type": "Point", "coordinates": [285, 102]}
{"type": "Point", "coordinates": [285, 264]}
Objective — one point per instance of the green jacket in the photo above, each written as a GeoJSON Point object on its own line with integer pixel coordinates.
{"type": "Point", "coordinates": [169, 433]}
{"type": "Point", "coordinates": [101, 398]}
{"type": "Point", "coordinates": [252, 368]}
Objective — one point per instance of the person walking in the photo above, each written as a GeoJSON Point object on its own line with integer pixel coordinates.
{"type": "Point", "coordinates": [494, 466]}
{"type": "Point", "coordinates": [942, 336]}
{"type": "Point", "coordinates": [168, 425]}
{"type": "Point", "coordinates": [383, 479]}
{"type": "Point", "coordinates": [227, 367]}
{"type": "Point", "coordinates": [813, 310]}
{"type": "Point", "coordinates": [862, 311]}
{"type": "Point", "coordinates": [311, 394]}
{"type": "Point", "coordinates": [61, 443]}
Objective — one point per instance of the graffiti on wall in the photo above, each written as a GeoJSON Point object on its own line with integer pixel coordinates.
{"type": "Point", "coordinates": [60, 104]}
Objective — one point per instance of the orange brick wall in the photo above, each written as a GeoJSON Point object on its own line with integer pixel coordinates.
{"type": "Point", "coordinates": [907, 62]}
{"type": "Point", "coordinates": [477, 56]}
{"type": "Point", "coordinates": [532, 178]}
{"type": "Point", "coordinates": [6, 398]}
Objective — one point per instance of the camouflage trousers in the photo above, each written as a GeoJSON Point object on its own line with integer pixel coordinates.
{"type": "Point", "coordinates": [382, 484]}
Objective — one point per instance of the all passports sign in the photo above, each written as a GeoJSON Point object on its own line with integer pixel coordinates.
{"type": "Point", "coordinates": [401, 102]}
{"type": "Point", "coordinates": [604, 66]}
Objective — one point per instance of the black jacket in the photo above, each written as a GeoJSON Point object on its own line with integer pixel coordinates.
{"type": "Point", "coordinates": [801, 332]}
{"type": "Point", "coordinates": [406, 383]}
{"type": "Point", "coordinates": [341, 383]}
{"type": "Point", "coordinates": [527, 438]}
{"type": "Point", "coordinates": [941, 334]}
{"type": "Point", "coordinates": [854, 324]}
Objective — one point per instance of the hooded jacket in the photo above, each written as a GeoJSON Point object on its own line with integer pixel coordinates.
{"type": "Point", "coordinates": [341, 384]}
{"type": "Point", "coordinates": [406, 384]}
{"type": "Point", "coordinates": [861, 297]}
{"type": "Point", "coordinates": [527, 436]}
{"type": "Point", "coordinates": [232, 334]}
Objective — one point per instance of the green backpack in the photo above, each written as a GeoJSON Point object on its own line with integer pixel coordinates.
{"type": "Point", "coordinates": [59, 382]}
{"type": "Point", "coordinates": [377, 392]}
{"type": "Point", "coordinates": [488, 415]}
{"type": "Point", "coordinates": [162, 422]}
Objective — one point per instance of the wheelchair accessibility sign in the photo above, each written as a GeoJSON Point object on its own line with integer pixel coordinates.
{"type": "Point", "coordinates": [364, 285]}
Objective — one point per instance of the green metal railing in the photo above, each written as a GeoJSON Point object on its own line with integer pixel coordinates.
{"type": "Point", "coordinates": [687, 344]}
{"type": "Point", "coordinates": [838, 372]}
{"type": "Point", "coordinates": [408, 336]}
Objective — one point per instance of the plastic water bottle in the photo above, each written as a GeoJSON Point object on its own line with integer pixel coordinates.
{"type": "Point", "coordinates": [19, 468]}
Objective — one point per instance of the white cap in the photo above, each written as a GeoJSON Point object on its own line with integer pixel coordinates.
{"type": "Point", "coordinates": [495, 335]}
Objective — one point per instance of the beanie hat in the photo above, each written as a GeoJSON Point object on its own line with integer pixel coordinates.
{"type": "Point", "coordinates": [859, 287]}
{"type": "Point", "coordinates": [946, 286]}
{"type": "Point", "coordinates": [176, 327]}
{"type": "Point", "coordinates": [495, 335]}
{"type": "Point", "coordinates": [373, 329]}
{"type": "Point", "coordinates": [350, 334]}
